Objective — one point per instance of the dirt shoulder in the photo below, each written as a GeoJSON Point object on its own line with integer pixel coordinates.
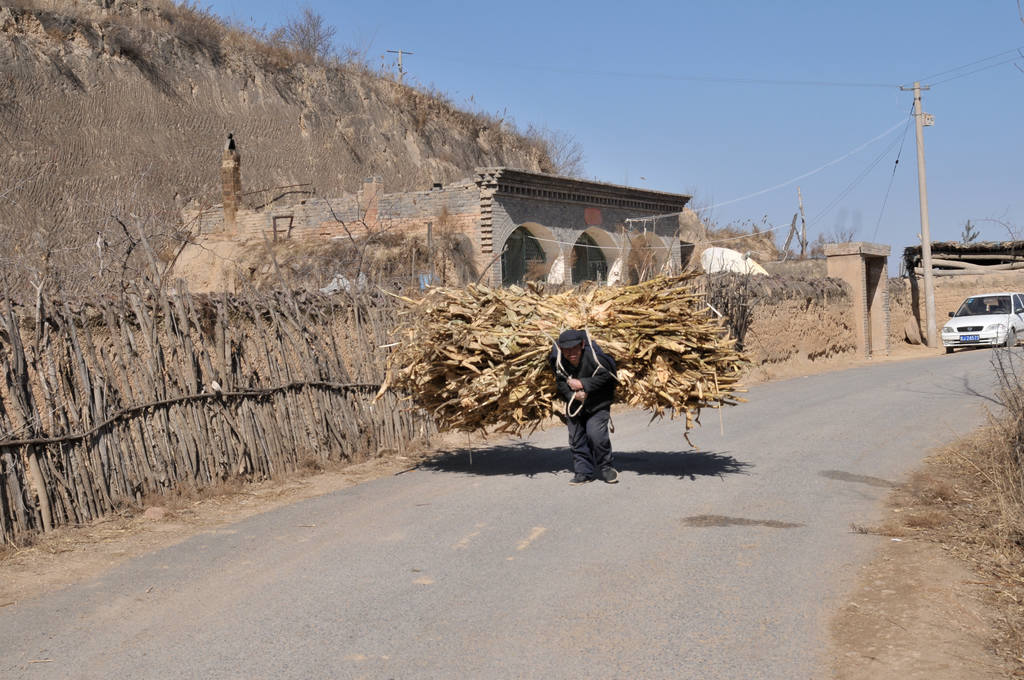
{"type": "Point", "coordinates": [916, 613]}
{"type": "Point", "coordinates": [919, 609]}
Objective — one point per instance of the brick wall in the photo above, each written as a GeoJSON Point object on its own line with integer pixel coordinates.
{"type": "Point", "coordinates": [477, 211]}
{"type": "Point", "coordinates": [319, 218]}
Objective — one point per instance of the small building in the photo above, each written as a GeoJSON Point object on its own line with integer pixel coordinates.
{"type": "Point", "coordinates": [954, 258]}
{"type": "Point", "coordinates": [520, 225]}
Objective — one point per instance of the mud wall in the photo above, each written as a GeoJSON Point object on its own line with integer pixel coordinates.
{"type": "Point", "coordinates": [784, 320]}
{"type": "Point", "coordinates": [907, 303]}
{"type": "Point", "coordinates": [801, 330]}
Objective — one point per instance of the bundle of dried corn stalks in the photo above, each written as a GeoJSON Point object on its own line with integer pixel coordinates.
{"type": "Point", "coordinates": [476, 357]}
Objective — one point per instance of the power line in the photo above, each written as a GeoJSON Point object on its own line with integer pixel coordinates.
{"type": "Point", "coordinates": [789, 181]}
{"type": "Point", "coordinates": [1015, 50]}
{"type": "Point", "coordinates": [857, 180]}
{"type": "Point", "coordinates": [633, 75]}
{"type": "Point", "coordinates": [816, 170]}
{"type": "Point", "coordinates": [979, 70]}
{"type": "Point", "coordinates": [734, 80]}
{"type": "Point", "coordinates": [895, 165]}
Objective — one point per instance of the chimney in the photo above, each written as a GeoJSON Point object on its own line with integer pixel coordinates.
{"type": "Point", "coordinates": [369, 198]}
{"type": "Point", "coordinates": [231, 182]}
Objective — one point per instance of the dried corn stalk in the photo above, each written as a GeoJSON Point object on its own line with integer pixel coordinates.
{"type": "Point", "coordinates": [476, 357]}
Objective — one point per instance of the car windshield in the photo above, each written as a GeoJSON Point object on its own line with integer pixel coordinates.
{"type": "Point", "coordinates": [986, 304]}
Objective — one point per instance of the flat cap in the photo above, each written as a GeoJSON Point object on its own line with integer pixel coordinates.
{"type": "Point", "coordinates": [571, 338]}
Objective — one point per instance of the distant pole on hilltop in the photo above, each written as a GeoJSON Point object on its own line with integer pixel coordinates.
{"type": "Point", "coordinates": [401, 71]}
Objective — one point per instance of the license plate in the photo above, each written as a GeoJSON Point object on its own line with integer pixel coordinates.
{"type": "Point", "coordinates": [968, 338]}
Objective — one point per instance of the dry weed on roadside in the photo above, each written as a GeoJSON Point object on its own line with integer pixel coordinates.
{"type": "Point", "coordinates": [960, 501]}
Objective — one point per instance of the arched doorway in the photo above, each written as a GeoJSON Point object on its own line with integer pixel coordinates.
{"type": "Point", "coordinates": [522, 259]}
{"type": "Point", "coordinates": [647, 257]}
{"type": "Point", "coordinates": [588, 261]}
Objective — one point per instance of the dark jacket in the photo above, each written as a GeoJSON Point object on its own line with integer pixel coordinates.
{"type": "Point", "coordinates": [598, 383]}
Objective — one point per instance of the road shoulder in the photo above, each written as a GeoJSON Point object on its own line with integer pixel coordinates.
{"type": "Point", "coordinates": [915, 612]}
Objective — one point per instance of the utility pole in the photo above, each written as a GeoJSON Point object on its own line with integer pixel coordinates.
{"type": "Point", "coordinates": [922, 119]}
{"type": "Point", "coordinates": [803, 225]}
{"type": "Point", "coordinates": [401, 71]}
{"type": "Point", "coordinates": [789, 239]}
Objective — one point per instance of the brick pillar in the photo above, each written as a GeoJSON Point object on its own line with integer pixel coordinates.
{"type": "Point", "coordinates": [863, 266]}
{"type": "Point", "coordinates": [369, 199]}
{"type": "Point", "coordinates": [231, 186]}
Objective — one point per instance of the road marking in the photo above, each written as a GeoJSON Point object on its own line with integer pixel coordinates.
{"type": "Point", "coordinates": [534, 535]}
{"type": "Point", "coordinates": [464, 541]}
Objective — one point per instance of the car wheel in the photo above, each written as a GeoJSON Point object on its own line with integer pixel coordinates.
{"type": "Point", "coordinates": [1011, 338]}
{"type": "Point", "coordinates": [949, 350]}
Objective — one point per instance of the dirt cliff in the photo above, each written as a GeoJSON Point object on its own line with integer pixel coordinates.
{"type": "Point", "coordinates": [114, 113]}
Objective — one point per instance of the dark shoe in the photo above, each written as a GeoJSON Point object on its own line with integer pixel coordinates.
{"type": "Point", "coordinates": [609, 475]}
{"type": "Point", "coordinates": [580, 479]}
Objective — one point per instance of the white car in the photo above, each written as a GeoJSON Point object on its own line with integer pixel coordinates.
{"type": "Point", "coordinates": [989, 320]}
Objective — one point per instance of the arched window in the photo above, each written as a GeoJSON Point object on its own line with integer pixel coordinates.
{"type": "Point", "coordinates": [588, 262]}
{"type": "Point", "coordinates": [521, 259]}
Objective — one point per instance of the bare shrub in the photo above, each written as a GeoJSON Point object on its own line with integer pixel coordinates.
{"type": "Point", "coordinates": [308, 33]}
{"type": "Point", "coordinates": [564, 150]}
{"type": "Point", "coordinates": [1008, 474]}
{"type": "Point", "coordinates": [731, 296]}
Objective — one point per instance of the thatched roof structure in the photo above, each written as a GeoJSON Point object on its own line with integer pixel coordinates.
{"type": "Point", "coordinates": [952, 258]}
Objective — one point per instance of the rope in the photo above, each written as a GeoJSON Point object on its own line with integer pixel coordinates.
{"type": "Point", "coordinates": [560, 369]}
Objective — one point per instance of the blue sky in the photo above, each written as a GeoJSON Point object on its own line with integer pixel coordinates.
{"type": "Point", "coordinates": [726, 99]}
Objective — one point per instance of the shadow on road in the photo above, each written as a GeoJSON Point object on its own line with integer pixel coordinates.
{"type": "Point", "coordinates": [529, 460]}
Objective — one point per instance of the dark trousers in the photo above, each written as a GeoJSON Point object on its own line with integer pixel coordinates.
{"type": "Point", "coordinates": [589, 442]}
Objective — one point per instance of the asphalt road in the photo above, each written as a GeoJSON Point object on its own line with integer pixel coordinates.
{"type": "Point", "coordinates": [721, 562]}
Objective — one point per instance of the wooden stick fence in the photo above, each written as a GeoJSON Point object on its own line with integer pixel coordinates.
{"type": "Point", "coordinates": [117, 400]}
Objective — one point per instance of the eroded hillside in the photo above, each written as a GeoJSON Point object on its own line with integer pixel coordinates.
{"type": "Point", "coordinates": [113, 115]}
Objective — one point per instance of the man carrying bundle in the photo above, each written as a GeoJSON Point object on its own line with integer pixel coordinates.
{"type": "Point", "coordinates": [585, 377]}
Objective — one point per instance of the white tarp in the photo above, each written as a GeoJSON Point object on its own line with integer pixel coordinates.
{"type": "Point", "coordinates": [726, 260]}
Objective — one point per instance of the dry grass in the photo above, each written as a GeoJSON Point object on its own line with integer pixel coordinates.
{"type": "Point", "coordinates": [746, 238]}
{"type": "Point", "coordinates": [969, 498]}
{"type": "Point", "coordinates": [132, 32]}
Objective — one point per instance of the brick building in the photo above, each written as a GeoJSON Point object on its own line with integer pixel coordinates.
{"type": "Point", "coordinates": [519, 225]}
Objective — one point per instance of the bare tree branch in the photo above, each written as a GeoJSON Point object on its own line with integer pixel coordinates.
{"type": "Point", "coordinates": [564, 150]}
{"type": "Point", "coordinates": [309, 33]}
